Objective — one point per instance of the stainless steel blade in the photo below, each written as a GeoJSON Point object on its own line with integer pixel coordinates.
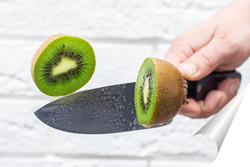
{"type": "Point", "coordinates": [110, 109]}
{"type": "Point", "coordinates": [98, 111]}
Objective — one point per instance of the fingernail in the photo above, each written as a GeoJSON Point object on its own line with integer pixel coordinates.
{"type": "Point", "coordinates": [234, 88]}
{"type": "Point", "coordinates": [222, 102]}
{"type": "Point", "coordinates": [189, 114]}
{"type": "Point", "coordinates": [190, 68]}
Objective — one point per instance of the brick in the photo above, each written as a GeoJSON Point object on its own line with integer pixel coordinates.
{"type": "Point", "coordinates": [26, 162]}
{"type": "Point", "coordinates": [20, 130]}
{"type": "Point", "coordinates": [161, 50]}
{"type": "Point", "coordinates": [118, 63]}
{"type": "Point", "coordinates": [112, 19]}
{"type": "Point", "coordinates": [173, 139]}
{"type": "Point", "coordinates": [104, 163]}
{"type": "Point", "coordinates": [51, 161]}
{"type": "Point", "coordinates": [15, 67]}
{"type": "Point", "coordinates": [164, 163]}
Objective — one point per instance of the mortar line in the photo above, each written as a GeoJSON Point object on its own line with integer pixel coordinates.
{"type": "Point", "coordinates": [25, 97]}
{"type": "Point", "coordinates": [67, 156]}
{"type": "Point", "coordinates": [80, 156]}
{"type": "Point", "coordinates": [88, 156]}
{"type": "Point", "coordinates": [131, 41]}
{"type": "Point", "coordinates": [148, 159]}
{"type": "Point", "coordinates": [148, 162]}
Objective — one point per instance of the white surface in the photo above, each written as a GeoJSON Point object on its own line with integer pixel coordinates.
{"type": "Point", "coordinates": [219, 125]}
{"type": "Point", "coordinates": [235, 148]}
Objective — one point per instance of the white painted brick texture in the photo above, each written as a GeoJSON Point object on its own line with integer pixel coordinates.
{"type": "Point", "coordinates": [123, 34]}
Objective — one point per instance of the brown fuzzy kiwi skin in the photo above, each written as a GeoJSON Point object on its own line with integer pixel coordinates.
{"type": "Point", "coordinates": [171, 91]}
{"type": "Point", "coordinates": [40, 50]}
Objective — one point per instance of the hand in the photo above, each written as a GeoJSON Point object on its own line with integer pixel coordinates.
{"type": "Point", "coordinates": [221, 43]}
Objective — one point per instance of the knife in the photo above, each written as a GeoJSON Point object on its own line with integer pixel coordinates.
{"type": "Point", "coordinates": [111, 109]}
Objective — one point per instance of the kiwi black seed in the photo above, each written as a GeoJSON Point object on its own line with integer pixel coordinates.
{"type": "Point", "coordinates": [62, 64]}
{"type": "Point", "coordinates": [160, 91]}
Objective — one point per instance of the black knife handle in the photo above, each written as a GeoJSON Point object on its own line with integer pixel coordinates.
{"type": "Point", "coordinates": [199, 89]}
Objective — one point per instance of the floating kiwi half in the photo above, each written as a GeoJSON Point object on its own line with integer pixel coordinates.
{"type": "Point", "coordinates": [62, 65]}
{"type": "Point", "coordinates": [160, 91]}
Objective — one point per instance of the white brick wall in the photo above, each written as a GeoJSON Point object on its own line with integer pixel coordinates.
{"type": "Point", "coordinates": [123, 34]}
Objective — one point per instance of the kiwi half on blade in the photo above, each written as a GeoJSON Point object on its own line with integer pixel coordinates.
{"type": "Point", "coordinates": [160, 91]}
{"type": "Point", "coordinates": [62, 65]}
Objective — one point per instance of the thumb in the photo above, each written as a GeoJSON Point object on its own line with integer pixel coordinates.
{"type": "Point", "coordinates": [204, 61]}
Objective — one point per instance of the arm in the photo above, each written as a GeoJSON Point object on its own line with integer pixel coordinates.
{"type": "Point", "coordinates": [221, 43]}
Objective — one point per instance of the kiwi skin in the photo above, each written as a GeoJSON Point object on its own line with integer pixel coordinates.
{"type": "Point", "coordinates": [171, 91]}
{"type": "Point", "coordinates": [40, 50]}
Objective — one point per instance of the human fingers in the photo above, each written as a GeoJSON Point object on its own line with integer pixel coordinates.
{"type": "Point", "coordinates": [214, 101]}
{"type": "Point", "coordinates": [205, 60]}
{"type": "Point", "coordinates": [203, 109]}
{"type": "Point", "coordinates": [186, 44]}
{"type": "Point", "coordinates": [230, 86]}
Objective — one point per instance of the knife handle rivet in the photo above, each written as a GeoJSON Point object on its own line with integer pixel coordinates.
{"type": "Point", "coordinates": [199, 88]}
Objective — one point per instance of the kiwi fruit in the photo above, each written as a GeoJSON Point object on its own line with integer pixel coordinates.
{"type": "Point", "coordinates": [160, 91]}
{"type": "Point", "coordinates": [62, 64]}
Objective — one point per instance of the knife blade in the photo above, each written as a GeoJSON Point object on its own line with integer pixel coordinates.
{"type": "Point", "coordinates": [111, 109]}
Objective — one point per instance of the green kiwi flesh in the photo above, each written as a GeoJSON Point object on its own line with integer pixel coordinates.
{"type": "Point", "coordinates": [65, 65]}
{"type": "Point", "coordinates": [160, 91]}
{"type": "Point", "coordinates": [145, 92]}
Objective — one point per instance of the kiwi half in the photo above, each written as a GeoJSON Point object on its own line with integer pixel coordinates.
{"type": "Point", "coordinates": [62, 65]}
{"type": "Point", "coordinates": [160, 91]}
